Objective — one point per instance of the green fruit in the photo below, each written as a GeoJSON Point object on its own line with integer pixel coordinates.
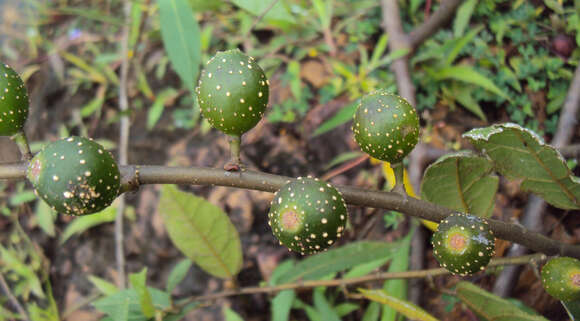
{"type": "Point", "coordinates": [463, 243]}
{"type": "Point", "coordinates": [561, 278]}
{"type": "Point", "coordinates": [307, 215]}
{"type": "Point", "coordinates": [13, 102]}
{"type": "Point", "coordinates": [75, 176]}
{"type": "Point", "coordinates": [233, 92]}
{"type": "Point", "coordinates": [386, 126]}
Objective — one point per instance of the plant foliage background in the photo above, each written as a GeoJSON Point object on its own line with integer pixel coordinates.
{"type": "Point", "coordinates": [494, 62]}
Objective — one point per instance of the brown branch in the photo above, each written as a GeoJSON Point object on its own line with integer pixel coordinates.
{"type": "Point", "coordinates": [364, 279]}
{"type": "Point", "coordinates": [437, 20]}
{"type": "Point", "coordinates": [352, 195]}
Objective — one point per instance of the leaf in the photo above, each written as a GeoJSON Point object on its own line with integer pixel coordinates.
{"type": "Point", "coordinates": [139, 284]}
{"type": "Point", "coordinates": [181, 39]}
{"type": "Point", "coordinates": [463, 182]}
{"type": "Point", "coordinates": [83, 223]}
{"type": "Point", "coordinates": [156, 109]}
{"type": "Point", "coordinates": [469, 75]}
{"type": "Point", "coordinates": [464, 96]}
{"type": "Point", "coordinates": [278, 14]}
{"type": "Point", "coordinates": [281, 305]}
{"type": "Point", "coordinates": [231, 315]}
{"type": "Point", "coordinates": [323, 306]}
{"type": "Point", "coordinates": [519, 153]}
{"type": "Point", "coordinates": [397, 287]}
{"type": "Point", "coordinates": [46, 217]}
{"type": "Point", "coordinates": [555, 6]}
{"type": "Point", "coordinates": [342, 158]}
{"type": "Point", "coordinates": [124, 305]}
{"type": "Point", "coordinates": [459, 43]}
{"type": "Point", "coordinates": [177, 274]}
{"type": "Point", "coordinates": [406, 308]}
{"type": "Point", "coordinates": [339, 259]}
{"type": "Point", "coordinates": [573, 309]}
{"type": "Point", "coordinates": [202, 232]}
{"type": "Point", "coordinates": [372, 312]}
{"type": "Point", "coordinates": [106, 287]}
{"type": "Point", "coordinates": [491, 307]}
{"type": "Point", "coordinates": [342, 116]}
{"type": "Point", "coordinates": [463, 16]}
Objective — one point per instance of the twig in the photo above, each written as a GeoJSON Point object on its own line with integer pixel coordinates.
{"type": "Point", "coordinates": [429, 27]}
{"type": "Point", "coordinates": [345, 167]}
{"type": "Point", "coordinates": [123, 143]}
{"type": "Point", "coordinates": [536, 206]}
{"type": "Point", "coordinates": [12, 298]}
{"type": "Point", "coordinates": [141, 174]}
{"type": "Point", "coordinates": [570, 151]}
{"type": "Point", "coordinates": [368, 278]}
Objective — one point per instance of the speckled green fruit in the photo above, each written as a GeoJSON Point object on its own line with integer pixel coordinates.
{"type": "Point", "coordinates": [561, 278]}
{"type": "Point", "coordinates": [75, 176]}
{"type": "Point", "coordinates": [463, 243]}
{"type": "Point", "coordinates": [386, 126]}
{"type": "Point", "coordinates": [233, 92]}
{"type": "Point", "coordinates": [308, 215]}
{"type": "Point", "coordinates": [13, 102]}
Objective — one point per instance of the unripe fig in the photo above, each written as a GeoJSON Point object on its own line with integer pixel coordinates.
{"type": "Point", "coordinates": [308, 215]}
{"type": "Point", "coordinates": [75, 176]}
{"type": "Point", "coordinates": [561, 278]}
{"type": "Point", "coordinates": [232, 92]}
{"type": "Point", "coordinates": [386, 126]}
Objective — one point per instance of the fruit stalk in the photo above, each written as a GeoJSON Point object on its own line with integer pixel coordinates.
{"type": "Point", "coordinates": [22, 142]}
{"type": "Point", "coordinates": [235, 163]}
{"type": "Point", "coordinates": [399, 170]}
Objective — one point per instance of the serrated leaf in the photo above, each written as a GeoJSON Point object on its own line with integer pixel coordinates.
{"type": "Point", "coordinates": [181, 39]}
{"type": "Point", "coordinates": [139, 284]}
{"type": "Point", "coordinates": [124, 305]}
{"type": "Point", "coordinates": [491, 307]}
{"type": "Point", "coordinates": [83, 223]}
{"type": "Point", "coordinates": [469, 75]}
{"type": "Point", "coordinates": [178, 273]}
{"type": "Point", "coordinates": [339, 259]}
{"type": "Point", "coordinates": [406, 308]}
{"type": "Point", "coordinates": [463, 182]}
{"type": "Point", "coordinates": [519, 153]}
{"type": "Point", "coordinates": [201, 231]}
{"type": "Point", "coordinates": [106, 287]}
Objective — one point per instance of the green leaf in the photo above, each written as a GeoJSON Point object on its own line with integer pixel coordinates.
{"type": "Point", "coordinates": [46, 217]}
{"type": "Point", "coordinates": [519, 153]}
{"type": "Point", "coordinates": [573, 309]}
{"type": "Point", "coordinates": [231, 315]}
{"type": "Point", "coordinates": [463, 16]}
{"type": "Point", "coordinates": [281, 305]}
{"type": "Point", "coordinates": [406, 308]}
{"type": "Point", "coordinates": [177, 274]}
{"type": "Point", "coordinates": [202, 232]}
{"type": "Point", "coordinates": [372, 312]}
{"type": "Point", "coordinates": [469, 75]}
{"type": "Point", "coordinates": [397, 287]}
{"type": "Point", "coordinates": [124, 305]}
{"type": "Point", "coordinates": [463, 94]}
{"type": "Point", "coordinates": [181, 38]}
{"type": "Point", "coordinates": [460, 43]}
{"type": "Point", "coordinates": [555, 6]}
{"type": "Point", "coordinates": [156, 109]}
{"type": "Point", "coordinates": [106, 287]}
{"type": "Point", "coordinates": [491, 307]}
{"type": "Point", "coordinates": [345, 308]}
{"type": "Point", "coordinates": [83, 223]}
{"type": "Point", "coordinates": [342, 116]}
{"type": "Point", "coordinates": [139, 284]}
{"type": "Point", "coordinates": [463, 182]}
{"type": "Point", "coordinates": [278, 14]}
{"type": "Point", "coordinates": [339, 259]}
{"type": "Point", "coordinates": [323, 306]}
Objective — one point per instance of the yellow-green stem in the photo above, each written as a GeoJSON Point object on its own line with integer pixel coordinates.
{"type": "Point", "coordinates": [22, 143]}
{"type": "Point", "coordinates": [399, 170]}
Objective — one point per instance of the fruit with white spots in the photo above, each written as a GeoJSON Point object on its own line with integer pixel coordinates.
{"type": "Point", "coordinates": [308, 215]}
{"type": "Point", "coordinates": [463, 243]}
{"type": "Point", "coordinates": [233, 92]}
{"type": "Point", "coordinates": [75, 176]}
{"type": "Point", "coordinates": [561, 278]}
{"type": "Point", "coordinates": [13, 102]}
{"type": "Point", "coordinates": [386, 126]}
